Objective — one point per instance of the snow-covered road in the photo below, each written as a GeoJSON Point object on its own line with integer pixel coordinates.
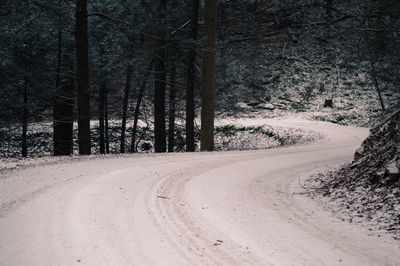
{"type": "Point", "coordinates": [233, 208]}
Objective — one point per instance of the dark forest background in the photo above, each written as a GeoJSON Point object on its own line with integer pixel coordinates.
{"type": "Point", "coordinates": [146, 68]}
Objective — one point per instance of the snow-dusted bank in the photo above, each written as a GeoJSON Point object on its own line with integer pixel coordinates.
{"type": "Point", "coordinates": [367, 191]}
{"type": "Point", "coordinates": [223, 208]}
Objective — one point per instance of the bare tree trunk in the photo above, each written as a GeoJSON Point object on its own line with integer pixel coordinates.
{"type": "Point", "coordinates": [191, 78]}
{"type": "Point", "coordinates": [160, 143]}
{"type": "Point", "coordinates": [223, 26]}
{"type": "Point", "coordinates": [138, 102]}
{"type": "Point", "coordinates": [106, 128]}
{"type": "Point", "coordinates": [171, 117]}
{"type": "Point", "coordinates": [24, 145]}
{"type": "Point", "coordinates": [64, 118]}
{"type": "Point", "coordinates": [208, 78]}
{"type": "Point", "coordinates": [64, 102]}
{"type": "Point", "coordinates": [82, 56]}
{"type": "Point", "coordinates": [125, 106]}
{"type": "Point", "coordinates": [55, 104]}
{"type": "Point", "coordinates": [101, 117]}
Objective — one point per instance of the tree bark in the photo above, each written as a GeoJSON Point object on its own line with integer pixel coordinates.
{"type": "Point", "coordinates": [171, 117]}
{"type": "Point", "coordinates": [102, 89]}
{"type": "Point", "coordinates": [64, 112]}
{"type": "Point", "coordinates": [208, 77]}
{"type": "Point", "coordinates": [64, 118]}
{"type": "Point", "coordinates": [138, 102]}
{"type": "Point", "coordinates": [63, 125]}
{"type": "Point", "coordinates": [159, 80]}
{"type": "Point", "coordinates": [191, 78]}
{"type": "Point", "coordinates": [81, 36]}
{"type": "Point", "coordinates": [223, 36]}
{"type": "Point", "coordinates": [24, 145]}
{"type": "Point", "coordinates": [64, 103]}
{"type": "Point", "coordinates": [125, 106]}
{"type": "Point", "coordinates": [55, 101]}
{"type": "Point", "coordinates": [106, 128]}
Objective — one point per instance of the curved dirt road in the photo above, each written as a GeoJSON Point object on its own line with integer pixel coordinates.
{"type": "Point", "coordinates": [234, 208]}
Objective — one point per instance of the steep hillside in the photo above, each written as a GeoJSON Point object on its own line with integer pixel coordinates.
{"type": "Point", "coordinates": [368, 190]}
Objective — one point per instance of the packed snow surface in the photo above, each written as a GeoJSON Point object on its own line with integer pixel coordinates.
{"type": "Point", "coordinates": [221, 208]}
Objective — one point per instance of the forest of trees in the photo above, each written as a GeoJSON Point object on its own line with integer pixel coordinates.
{"type": "Point", "coordinates": [105, 64]}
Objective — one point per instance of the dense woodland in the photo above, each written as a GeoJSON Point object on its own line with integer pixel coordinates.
{"type": "Point", "coordinates": [134, 75]}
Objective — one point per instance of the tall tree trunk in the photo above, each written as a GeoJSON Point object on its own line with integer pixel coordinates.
{"type": "Point", "coordinates": [106, 128]}
{"type": "Point", "coordinates": [64, 117]}
{"type": "Point", "coordinates": [138, 102]}
{"type": "Point", "coordinates": [63, 124]}
{"type": "Point", "coordinates": [63, 113]}
{"type": "Point", "coordinates": [24, 145]}
{"type": "Point", "coordinates": [55, 104]}
{"type": "Point", "coordinates": [191, 80]}
{"type": "Point", "coordinates": [82, 56]}
{"type": "Point", "coordinates": [125, 106]}
{"type": "Point", "coordinates": [172, 103]}
{"type": "Point", "coordinates": [102, 89]}
{"type": "Point", "coordinates": [223, 34]}
{"type": "Point", "coordinates": [208, 78]}
{"type": "Point", "coordinates": [160, 143]}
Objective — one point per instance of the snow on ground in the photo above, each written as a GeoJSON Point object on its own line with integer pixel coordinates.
{"type": "Point", "coordinates": [376, 209]}
{"type": "Point", "coordinates": [230, 208]}
{"type": "Point", "coordinates": [367, 191]}
{"type": "Point", "coordinates": [237, 134]}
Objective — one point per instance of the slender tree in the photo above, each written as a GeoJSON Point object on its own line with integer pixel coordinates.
{"type": "Point", "coordinates": [102, 144]}
{"type": "Point", "coordinates": [140, 94]}
{"type": "Point", "coordinates": [160, 144]}
{"type": "Point", "coordinates": [58, 76]}
{"type": "Point", "coordinates": [25, 114]}
{"type": "Point", "coordinates": [172, 107]}
{"type": "Point", "coordinates": [82, 56]}
{"type": "Point", "coordinates": [64, 102]}
{"type": "Point", "coordinates": [125, 106]}
{"type": "Point", "coordinates": [106, 127]}
{"type": "Point", "coordinates": [63, 111]}
{"type": "Point", "coordinates": [208, 75]}
{"type": "Point", "coordinates": [191, 77]}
